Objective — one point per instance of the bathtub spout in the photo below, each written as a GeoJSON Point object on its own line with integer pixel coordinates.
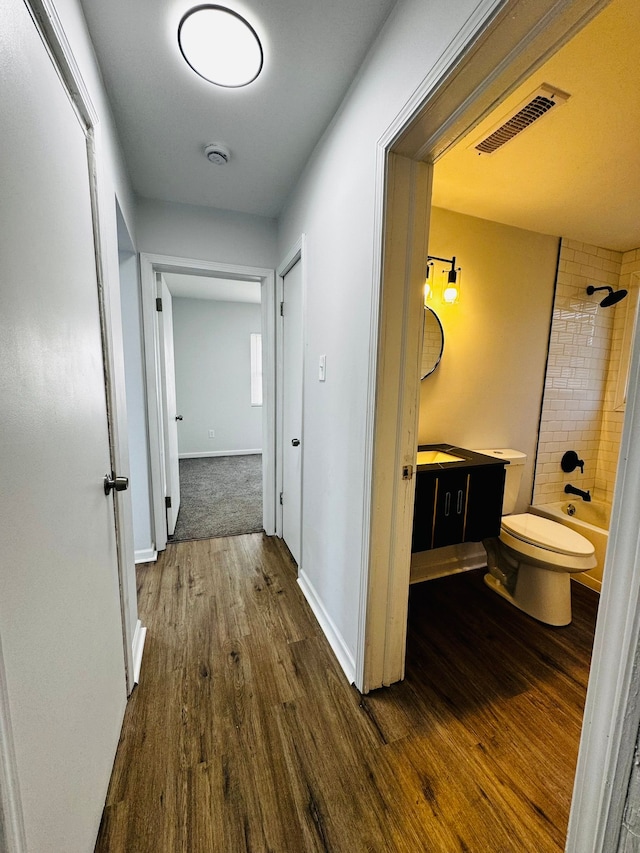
{"type": "Point", "coordinates": [571, 490]}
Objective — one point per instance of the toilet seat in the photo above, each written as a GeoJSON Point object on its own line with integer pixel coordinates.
{"type": "Point", "coordinates": [549, 535]}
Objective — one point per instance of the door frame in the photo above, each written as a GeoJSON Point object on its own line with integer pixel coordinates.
{"type": "Point", "coordinates": [296, 253]}
{"type": "Point", "coordinates": [501, 47]}
{"type": "Point", "coordinates": [150, 264]}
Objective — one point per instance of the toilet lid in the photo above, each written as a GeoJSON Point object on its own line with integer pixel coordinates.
{"type": "Point", "coordinates": [547, 534]}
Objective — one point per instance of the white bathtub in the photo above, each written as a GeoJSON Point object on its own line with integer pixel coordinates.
{"type": "Point", "coordinates": [592, 521]}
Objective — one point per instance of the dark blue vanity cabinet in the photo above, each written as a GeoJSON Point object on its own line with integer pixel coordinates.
{"type": "Point", "coordinates": [457, 501]}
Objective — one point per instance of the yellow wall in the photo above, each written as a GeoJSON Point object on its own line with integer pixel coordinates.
{"type": "Point", "coordinates": [487, 390]}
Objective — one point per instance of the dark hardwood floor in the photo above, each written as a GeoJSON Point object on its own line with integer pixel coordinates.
{"type": "Point", "coordinates": [243, 734]}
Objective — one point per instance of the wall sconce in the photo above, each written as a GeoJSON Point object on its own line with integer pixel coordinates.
{"type": "Point", "coordinates": [451, 289]}
{"type": "Point", "coordinates": [427, 288]}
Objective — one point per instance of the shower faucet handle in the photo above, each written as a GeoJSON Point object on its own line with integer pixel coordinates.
{"type": "Point", "coordinates": [570, 462]}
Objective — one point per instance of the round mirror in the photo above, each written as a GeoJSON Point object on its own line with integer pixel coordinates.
{"type": "Point", "coordinates": [432, 342]}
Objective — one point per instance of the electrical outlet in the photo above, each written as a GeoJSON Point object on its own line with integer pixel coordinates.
{"type": "Point", "coordinates": [212, 433]}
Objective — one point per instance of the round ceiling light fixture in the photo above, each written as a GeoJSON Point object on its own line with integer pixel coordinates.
{"type": "Point", "coordinates": [220, 46]}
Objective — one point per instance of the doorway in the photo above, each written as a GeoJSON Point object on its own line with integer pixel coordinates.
{"type": "Point", "coordinates": [175, 274]}
{"type": "Point", "coordinates": [611, 716]}
{"type": "Point", "coordinates": [214, 398]}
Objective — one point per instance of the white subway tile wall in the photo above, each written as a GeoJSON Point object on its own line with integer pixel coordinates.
{"type": "Point", "coordinates": [584, 357]}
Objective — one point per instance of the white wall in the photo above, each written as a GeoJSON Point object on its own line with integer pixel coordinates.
{"type": "Point", "coordinates": [487, 390]}
{"type": "Point", "coordinates": [205, 234]}
{"type": "Point", "coordinates": [136, 405]}
{"type": "Point", "coordinates": [213, 389]}
{"type": "Point", "coordinates": [334, 205]}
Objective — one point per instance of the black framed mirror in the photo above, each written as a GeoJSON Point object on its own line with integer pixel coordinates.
{"type": "Point", "coordinates": [432, 343]}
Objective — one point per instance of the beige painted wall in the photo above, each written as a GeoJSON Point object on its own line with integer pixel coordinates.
{"type": "Point", "coordinates": [487, 390]}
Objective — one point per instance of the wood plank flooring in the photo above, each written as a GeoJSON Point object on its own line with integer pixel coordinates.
{"type": "Point", "coordinates": [244, 737]}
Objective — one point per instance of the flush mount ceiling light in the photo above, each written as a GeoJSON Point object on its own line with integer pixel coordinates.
{"type": "Point", "coordinates": [220, 46]}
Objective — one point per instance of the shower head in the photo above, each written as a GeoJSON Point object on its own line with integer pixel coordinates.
{"type": "Point", "coordinates": [612, 298]}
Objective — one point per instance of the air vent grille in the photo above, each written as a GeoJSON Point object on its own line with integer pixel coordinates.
{"type": "Point", "coordinates": [534, 108]}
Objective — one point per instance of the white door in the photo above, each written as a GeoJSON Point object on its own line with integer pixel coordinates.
{"type": "Point", "coordinates": [170, 415]}
{"type": "Point", "coordinates": [60, 619]}
{"type": "Point", "coordinates": [292, 346]}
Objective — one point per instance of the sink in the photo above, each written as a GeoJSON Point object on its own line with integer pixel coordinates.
{"type": "Point", "coordinates": [430, 457]}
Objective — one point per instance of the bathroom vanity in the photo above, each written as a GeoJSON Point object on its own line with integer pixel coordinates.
{"type": "Point", "coordinates": [458, 496]}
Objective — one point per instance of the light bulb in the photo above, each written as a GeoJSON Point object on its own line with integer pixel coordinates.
{"type": "Point", "coordinates": [450, 294]}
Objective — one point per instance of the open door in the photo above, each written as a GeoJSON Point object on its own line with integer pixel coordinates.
{"type": "Point", "coordinates": [171, 417]}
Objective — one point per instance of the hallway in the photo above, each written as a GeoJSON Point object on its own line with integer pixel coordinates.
{"type": "Point", "coordinates": [244, 736]}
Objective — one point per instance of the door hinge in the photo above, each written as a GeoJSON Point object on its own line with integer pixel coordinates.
{"type": "Point", "coordinates": [282, 309]}
{"type": "Point", "coordinates": [407, 472]}
{"type": "Point", "coordinates": [280, 498]}
{"type": "Point", "coordinates": [158, 304]}
{"type": "Point", "coordinates": [167, 502]}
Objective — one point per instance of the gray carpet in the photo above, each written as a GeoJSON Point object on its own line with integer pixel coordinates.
{"type": "Point", "coordinates": [219, 496]}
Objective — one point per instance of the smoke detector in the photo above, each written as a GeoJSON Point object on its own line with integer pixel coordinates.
{"type": "Point", "coordinates": [217, 153]}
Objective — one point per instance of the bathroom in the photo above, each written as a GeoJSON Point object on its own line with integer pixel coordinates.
{"type": "Point", "coordinates": [543, 389]}
{"type": "Point", "coordinates": [531, 360]}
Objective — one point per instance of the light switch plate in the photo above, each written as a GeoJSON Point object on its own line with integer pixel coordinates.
{"type": "Point", "coordinates": [322, 368]}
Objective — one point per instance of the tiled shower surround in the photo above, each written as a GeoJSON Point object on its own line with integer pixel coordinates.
{"type": "Point", "coordinates": [584, 357]}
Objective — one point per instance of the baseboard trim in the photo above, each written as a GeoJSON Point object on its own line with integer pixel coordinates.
{"type": "Point", "coordinates": [147, 555]}
{"type": "Point", "coordinates": [139, 636]}
{"type": "Point", "coordinates": [333, 635]}
{"type": "Point", "coordinates": [204, 453]}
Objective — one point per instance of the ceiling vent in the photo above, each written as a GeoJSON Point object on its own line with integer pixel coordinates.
{"type": "Point", "coordinates": [544, 99]}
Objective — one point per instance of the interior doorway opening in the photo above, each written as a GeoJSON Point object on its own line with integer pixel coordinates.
{"type": "Point", "coordinates": [163, 416]}
{"type": "Point", "coordinates": [214, 382]}
{"type": "Point", "coordinates": [446, 115]}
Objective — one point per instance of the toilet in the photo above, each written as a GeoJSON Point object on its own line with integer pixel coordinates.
{"type": "Point", "coordinates": [531, 562]}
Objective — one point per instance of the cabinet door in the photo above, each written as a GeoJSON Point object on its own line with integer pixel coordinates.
{"type": "Point", "coordinates": [484, 511]}
{"type": "Point", "coordinates": [423, 513]}
{"type": "Point", "coordinates": [451, 505]}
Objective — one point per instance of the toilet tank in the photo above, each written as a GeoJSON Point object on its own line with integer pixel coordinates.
{"type": "Point", "coordinates": [513, 474]}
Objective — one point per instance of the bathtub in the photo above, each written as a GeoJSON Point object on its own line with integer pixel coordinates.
{"type": "Point", "coordinates": [589, 519]}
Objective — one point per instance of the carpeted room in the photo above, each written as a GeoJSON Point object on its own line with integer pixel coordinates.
{"type": "Point", "coordinates": [216, 334]}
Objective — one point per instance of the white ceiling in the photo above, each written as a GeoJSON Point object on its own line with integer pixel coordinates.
{"type": "Point", "coordinates": [166, 114]}
{"type": "Point", "coordinates": [208, 287]}
{"type": "Point", "coordinates": [576, 171]}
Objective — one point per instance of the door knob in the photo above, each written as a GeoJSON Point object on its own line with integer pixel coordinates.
{"type": "Point", "coordinates": [178, 417]}
{"type": "Point", "coordinates": [117, 483]}
{"type": "Point", "coordinates": [295, 441]}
